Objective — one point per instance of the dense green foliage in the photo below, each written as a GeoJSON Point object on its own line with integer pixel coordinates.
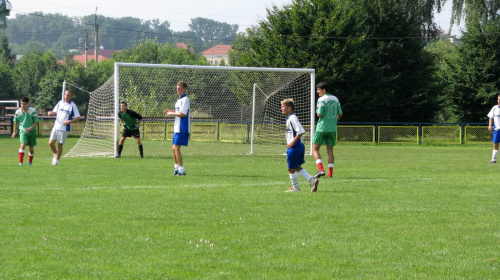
{"type": "Point", "coordinates": [390, 212]}
{"type": "Point", "coordinates": [379, 56]}
{"type": "Point", "coordinates": [59, 33]}
{"type": "Point", "coordinates": [476, 72]}
{"type": "Point", "coordinates": [371, 52]}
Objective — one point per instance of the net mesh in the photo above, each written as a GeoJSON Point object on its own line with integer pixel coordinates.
{"type": "Point", "coordinates": [224, 117]}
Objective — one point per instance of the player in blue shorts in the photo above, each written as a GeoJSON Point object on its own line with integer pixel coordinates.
{"type": "Point", "coordinates": [494, 126]}
{"type": "Point", "coordinates": [295, 148]}
{"type": "Point", "coordinates": [182, 127]}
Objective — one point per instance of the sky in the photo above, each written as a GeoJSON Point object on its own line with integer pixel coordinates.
{"type": "Point", "coordinates": [178, 13]}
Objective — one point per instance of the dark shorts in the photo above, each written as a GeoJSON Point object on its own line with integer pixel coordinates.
{"type": "Point", "coordinates": [295, 156]}
{"type": "Point", "coordinates": [180, 139]}
{"type": "Point", "coordinates": [131, 133]}
{"type": "Point", "coordinates": [496, 137]}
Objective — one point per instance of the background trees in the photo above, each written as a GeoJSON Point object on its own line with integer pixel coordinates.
{"type": "Point", "coordinates": [381, 57]}
{"type": "Point", "coordinates": [371, 52]}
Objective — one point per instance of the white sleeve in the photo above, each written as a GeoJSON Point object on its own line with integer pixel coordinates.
{"type": "Point", "coordinates": [76, 113]}
{"type": "Point", "coordinates": [185, 106]}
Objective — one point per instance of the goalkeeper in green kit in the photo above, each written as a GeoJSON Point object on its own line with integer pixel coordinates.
{"type": "Point", "coordinates": [131, 122]}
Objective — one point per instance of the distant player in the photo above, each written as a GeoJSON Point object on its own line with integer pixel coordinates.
{"type": "Point", "coordinates": [66, 113]}
{"type": "Point", "coordinates": [131, 122]}
{"type": "Point", "coordinates": [329, 113]}
{"type": "Point", "coordinates": [494, 125]}
{"type": "Point", "coordinates": [295, 148]}
{"type": "Point", "coordinates": [182, 127]}
{"type": "Point", "coordinates": [27, 118]}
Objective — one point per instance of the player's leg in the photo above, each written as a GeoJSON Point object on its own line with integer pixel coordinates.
{"type": "Point", "coordinates": [62, 135]}
{"type": "Point", "coordinates": [52, 144]}
{"type": "Point", "coordinates": [22, 147]}
{"type": "Point", "coordinates": [496, 142]}
{"type": "Point", "coordinates": [120, 143]}
{"type": "Point", "coordinates": [180, 139]}
{"type": "Point", "coordinates": [31, 143]}
{"type": "Point", "coordinates": [31, 155]}
{"type": "Point", "coordinates": [137, 138]}
{"type": "Point", "coordinates": [319, 161]}
{"type": "Point", "coordinates": [318, 140]}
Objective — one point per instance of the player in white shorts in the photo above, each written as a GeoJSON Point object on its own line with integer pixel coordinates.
{"type": "Point", "coordinates": [66, 112]}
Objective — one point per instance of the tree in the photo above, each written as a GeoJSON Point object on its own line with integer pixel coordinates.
{"type": "Point", "coordinates": [213, 32]}
{"type": "Point", "coordinates": [475, 79]}
{"type": "Point", "coordinates": [408, 88]}
{"type": "Point", "coordinates": [6, 88]}
{"type": "Point", "coordinates": [445, 55]}
{"type": "Point", "coordinates": [29, 72]}
{"type": "Point", "coordinates": [361, 48]}
{"type": "Point", "coordinates": [151, 51]}
{"type": "Point", "coordinates": [5, 52]}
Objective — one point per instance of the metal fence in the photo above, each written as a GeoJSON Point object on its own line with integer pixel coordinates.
{"type": "Point", "coordinates": [414, 133]}
{"type": "Point", "coordinates": [348, 132]}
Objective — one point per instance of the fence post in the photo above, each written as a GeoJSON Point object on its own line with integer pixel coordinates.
{"type": "Point", "coordinates": [462, 134]}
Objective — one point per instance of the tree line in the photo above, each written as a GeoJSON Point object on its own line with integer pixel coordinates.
{"type": "Point", "coordinates": [382, 58]}
{"type": "Point", "coordinates": [59, 33]}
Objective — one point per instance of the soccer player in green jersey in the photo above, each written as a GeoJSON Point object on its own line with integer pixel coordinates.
{"type": "Point", "coordinates": [329, 113]}
{"type": "Point", "coordinates": [27, 118]}
{"type": "Point", "coordinates": [131, 122]}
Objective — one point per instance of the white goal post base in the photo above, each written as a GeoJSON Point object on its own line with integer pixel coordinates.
{"type": "Point", "coordinates": [234, 110]}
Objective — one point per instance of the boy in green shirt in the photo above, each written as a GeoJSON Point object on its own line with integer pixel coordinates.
{"type": "Point", "coordinates": [27, 118]}
{"type": "Point", "coordinates": [329, 113]}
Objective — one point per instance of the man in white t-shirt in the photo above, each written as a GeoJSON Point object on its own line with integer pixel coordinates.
{"type": "Point", "coordinates": [182, 127]}
{"type": "Point", "coordinates": [494, 126]}
{"type": "Point", "coordinates": [66, 112]}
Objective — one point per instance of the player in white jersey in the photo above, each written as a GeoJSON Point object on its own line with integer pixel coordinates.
{"type": "Point", "coordinates": [494, 126]}
{"type": "Point", "coordinates": [27, 118]}
{"type": "Point", "coordinates": [295, 148]}
{"type": "Point", "coordinates": [182, 127]}
{"type": "Point", "coordinates": [66, 112]}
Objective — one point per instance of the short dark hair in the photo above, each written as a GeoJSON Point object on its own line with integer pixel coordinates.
{"type": "Point", "coordinates": [25, 99]}
{"type": "Point", "coordinates": [183, 84]}
{"type": "Point", "coordinates": [124, 102]}
{"type": "Point", "coordinates": [322, 85]}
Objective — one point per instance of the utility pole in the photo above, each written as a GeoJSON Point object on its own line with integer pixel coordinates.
{"type": "Point", "coordinates": [96, 46]}
{"type": "Point", "coordinates": [86, 47]}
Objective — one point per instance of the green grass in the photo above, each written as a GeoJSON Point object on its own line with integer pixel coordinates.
{"type": "Point", "coordinates": [390, 212]}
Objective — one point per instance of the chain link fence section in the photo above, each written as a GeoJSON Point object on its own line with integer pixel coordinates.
{"type": "Point", "coordinates": [414, 133]}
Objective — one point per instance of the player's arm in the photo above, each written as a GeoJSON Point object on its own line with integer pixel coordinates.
{"type": "Point", "coordinates": [31, 127]}
{"type": "Point", "coordinates": [297, 138]}
{"type": "Point", "coordinates": [339, 116]}
{"type": "Point", "coordinates": [51, 113]}
{"type": "Point", "coordinates": [71, 121]}
{"type": "Point", "coordinates": [16, 130]}
{"type": "Point", "coordinates": [174, 113]}
{"type": "Point", "coordinates": [490, 125]}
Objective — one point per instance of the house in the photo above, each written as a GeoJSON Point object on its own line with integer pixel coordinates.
{"type": "Point", "coordinates": [217, 53]}
{"type": "Point", "coordinates": [101, 55]}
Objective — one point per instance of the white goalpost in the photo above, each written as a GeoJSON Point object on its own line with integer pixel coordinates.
{"type": "Point", "coordinates": [234, 110]}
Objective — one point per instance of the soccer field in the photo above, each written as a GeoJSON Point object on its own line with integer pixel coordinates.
{"type": "Point", "coordinates": [390, 212]}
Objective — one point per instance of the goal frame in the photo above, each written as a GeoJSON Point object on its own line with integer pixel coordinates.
{"type": "Point", "coordinates": [117, 66]}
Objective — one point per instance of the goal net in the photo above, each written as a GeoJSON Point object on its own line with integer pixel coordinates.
{"type": "Point", "coordinates": [234, 110]}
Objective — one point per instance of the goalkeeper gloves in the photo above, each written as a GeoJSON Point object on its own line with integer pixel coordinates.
{"type": "Point", "coordinates": [124, 126]}
{"type": "Point", "coordinates": [137, 126]}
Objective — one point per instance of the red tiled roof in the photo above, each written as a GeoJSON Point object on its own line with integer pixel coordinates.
{"type": "Point", "coordinates": [103, 53]}
{"type": "Point", "coordinates": [217, 50]}
{"type": "Point", "coordinates": [81, 58]}
{"type": "Point", "coordinates": [181, 45]}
